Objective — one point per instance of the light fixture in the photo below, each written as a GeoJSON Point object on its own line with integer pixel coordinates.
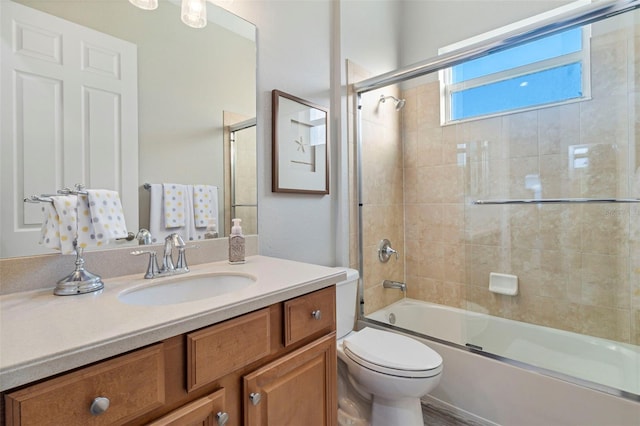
{"type": "Point", "coordinates": [145, 4]}
{"type": "Point", "coordinates": [194, 13]}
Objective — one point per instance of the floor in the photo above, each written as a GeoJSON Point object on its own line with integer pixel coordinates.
{"type": "Point", "coordinates": [436, 415]}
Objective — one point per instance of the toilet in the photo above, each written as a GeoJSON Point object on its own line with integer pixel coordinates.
{"type": "Point", "coordinates": [391, 370]}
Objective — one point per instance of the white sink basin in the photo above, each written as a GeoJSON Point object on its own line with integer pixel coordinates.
{"type": "Point", "coordinates": [186, 289]}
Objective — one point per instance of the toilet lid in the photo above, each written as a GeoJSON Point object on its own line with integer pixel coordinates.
{"type": "Point", "coordinates": [392, 353]}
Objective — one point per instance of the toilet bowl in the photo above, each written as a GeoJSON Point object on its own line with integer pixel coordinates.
{"type": "Point", "coordinates": [392, 370]}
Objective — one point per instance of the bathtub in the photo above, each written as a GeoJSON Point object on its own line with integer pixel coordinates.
{"type": "Point", "coordinates": [596, 363]}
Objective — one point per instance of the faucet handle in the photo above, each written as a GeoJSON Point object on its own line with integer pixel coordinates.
{"type": "Point", "coordinates": [152, 268]}
{"type": "Point", "coordinates": [178, 241]}
{"type": "Point", "coordinates": [174, 239]}
{"type": "Point", "coordinates": [385, 251]}
{"type": "Point", "coordinates": [181, 263]}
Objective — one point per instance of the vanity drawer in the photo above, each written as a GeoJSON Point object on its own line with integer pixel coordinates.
{"type": "Point", "coordinates": [133, 384]}
{"type": "Point", "coordinates": [209, 410]}
{"type": "Point", "coordinates": [307, 315]}
{"type": "Point", "coordinates": [223, 348]}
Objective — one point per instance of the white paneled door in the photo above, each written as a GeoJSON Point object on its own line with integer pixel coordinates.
{"type": "Point", "coordinates": [69, 114]}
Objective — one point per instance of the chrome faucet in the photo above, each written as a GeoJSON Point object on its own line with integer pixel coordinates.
{"type": "Point", "coordinates": [173, 240]}
{"type": "Point", "coordinates": [144, 237]}
{"type": "Point", "coordinates": [395, 284]}
{"type": "Point", "coordinates": [168, 268]}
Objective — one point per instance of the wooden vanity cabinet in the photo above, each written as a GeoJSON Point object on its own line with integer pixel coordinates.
{"type": "Point", "coordinates": [205, 377]}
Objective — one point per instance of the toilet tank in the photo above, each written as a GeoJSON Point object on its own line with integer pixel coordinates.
{"type": "Point", "coordinates": [346, 304]}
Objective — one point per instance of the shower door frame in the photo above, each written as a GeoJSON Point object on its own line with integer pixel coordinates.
{"type": "Point", "coordinates": [578, 17]}
{"type": "Point", "coordinates": [243, 125]}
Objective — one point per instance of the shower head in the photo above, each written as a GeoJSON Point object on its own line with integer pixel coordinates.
{"type": "Point", "coordinates": [399, 102]}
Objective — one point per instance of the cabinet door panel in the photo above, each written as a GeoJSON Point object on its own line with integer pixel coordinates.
{"type": "Point", "coordinates": [298, 389]}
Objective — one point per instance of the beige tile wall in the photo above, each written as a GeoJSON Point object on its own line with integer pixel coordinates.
{"type": "Point", "coordinates": [575, 268]}
{"type": "Point", "coordinates": [578, 265]}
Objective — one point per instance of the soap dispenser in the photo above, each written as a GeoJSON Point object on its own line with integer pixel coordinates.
{"type": "Point", "coordinates": [236, 243]}
{"type": "Point", "coordinates": [211, 231]}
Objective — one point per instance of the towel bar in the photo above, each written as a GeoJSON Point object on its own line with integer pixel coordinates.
{"type": "Point", "coordinates": [38, 199]}
{"type": "Point", "coordinates": [46, 198]}
{"type": "Point", "coordinates": [556, 201]}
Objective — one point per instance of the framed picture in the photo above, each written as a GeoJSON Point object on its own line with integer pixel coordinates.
{"type": "Point", "coordinates": [300, 146]}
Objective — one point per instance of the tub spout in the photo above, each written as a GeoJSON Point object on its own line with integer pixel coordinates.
{"type": "Point", "coordinates": [395, 284]}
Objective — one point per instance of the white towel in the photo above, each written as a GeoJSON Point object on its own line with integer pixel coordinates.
{"type": "Point", "coordinates": [156, 212]}
{"type": "Point", "coordinates": [175, 205]}
{"type": "Point", "coordinates": [86, 233]}
{"type": "Point", "coordinates": [66, 210]}
{"type": "Point", "coordinates": [107, 216]}
{"type": "Point", "coordinates": [49, 233]}
{"type": "Point", "coordinates": [205, 205]}
{"type": "Point", "coordinates": [65, 206]}
{"type": "Point", "coordinates": [90, 220]}
{"type": "Point", "coordinates": [156, 215]}
{"type": "Point", "coordinates": [190, 232]}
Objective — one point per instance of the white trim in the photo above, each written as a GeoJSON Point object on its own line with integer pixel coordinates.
{"type": "Point", "coordinates": [545, 64]}
{"type": "Point", "coordinates": [513, 26]}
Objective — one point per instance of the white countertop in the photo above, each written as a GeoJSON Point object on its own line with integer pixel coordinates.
{"type": "Point", "coordinates": [42, 334]}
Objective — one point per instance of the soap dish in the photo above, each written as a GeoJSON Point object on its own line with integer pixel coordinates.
{"type": "Point", "coordinates": [503, 284]}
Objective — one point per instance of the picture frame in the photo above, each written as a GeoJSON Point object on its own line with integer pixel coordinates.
{"type": "Point", "coordinates": [300, 136]}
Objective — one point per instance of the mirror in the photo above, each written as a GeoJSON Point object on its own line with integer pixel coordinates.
{"type": "Point", "coordinates": [192, 86]}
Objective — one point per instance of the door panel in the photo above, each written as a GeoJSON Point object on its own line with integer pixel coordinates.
{"type": "Point", "coordinates": [69, 108]}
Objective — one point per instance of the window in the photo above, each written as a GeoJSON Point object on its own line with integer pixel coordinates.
{"type": "Point", "coordinates": [547, 71]}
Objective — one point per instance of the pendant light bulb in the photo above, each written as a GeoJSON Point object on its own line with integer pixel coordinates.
{"type": "Point", "coordinates": [194, 13]}
{"type": "Point", "coordinates": [145, 4]}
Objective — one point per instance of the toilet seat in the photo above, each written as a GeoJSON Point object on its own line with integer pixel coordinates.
{"type": "Point", "coordinates": [392, 354]}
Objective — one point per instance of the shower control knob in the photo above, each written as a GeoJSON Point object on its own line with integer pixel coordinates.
{"type": "Point", "coordinates": [317, 315]}
{"type": "Point", "coordinates": [385, 251]}
{"type": "Point", "coordinates": [99, 405]}
{"type": "Point", "coordinates": [255, 397]}
{"type": "Point", "coordinates": [222, 418]}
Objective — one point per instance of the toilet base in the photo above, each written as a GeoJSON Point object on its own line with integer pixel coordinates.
{"type": "Point", "coordinates": [405, 412]}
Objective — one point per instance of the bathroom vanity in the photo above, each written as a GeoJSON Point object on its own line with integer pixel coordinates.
{"type": "Point", "coordinates": [262, 355]}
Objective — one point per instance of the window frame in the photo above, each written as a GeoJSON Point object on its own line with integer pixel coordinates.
{"type": "Point", "coordinates": [447, 88]}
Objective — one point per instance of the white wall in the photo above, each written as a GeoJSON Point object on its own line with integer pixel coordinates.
{"type": "Point", "coordinates": [294, 55]}
{"type": "Point", "coordinates": [302, 48]}
{"type": "Point", "coordinates": [371, 34]}
{"type": "Point", "coordinates": [428, 25]}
